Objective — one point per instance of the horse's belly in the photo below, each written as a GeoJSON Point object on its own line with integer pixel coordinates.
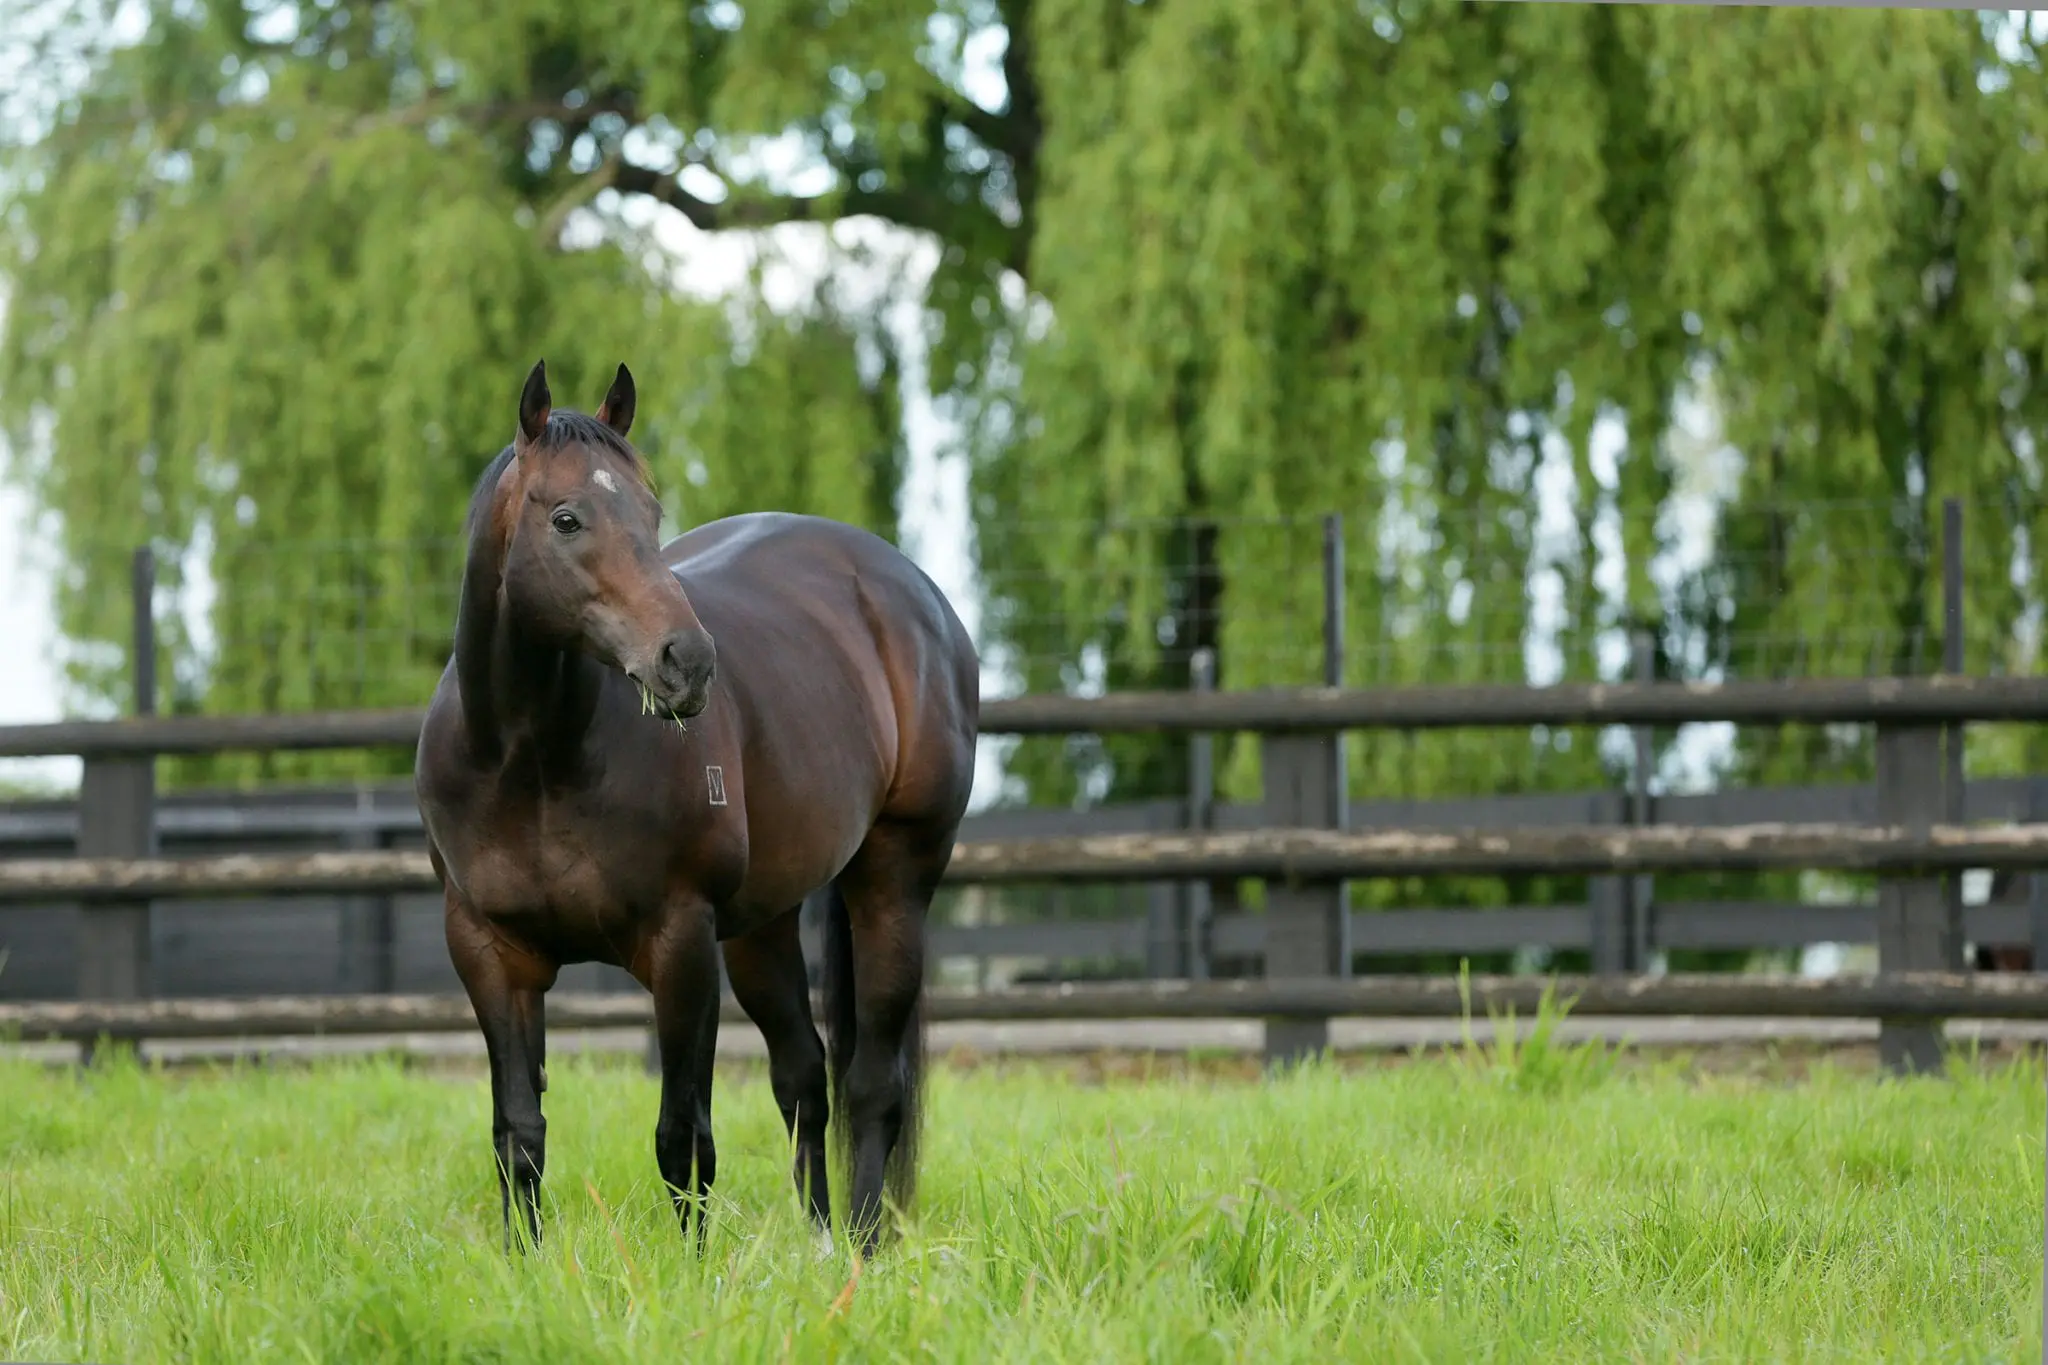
{"type": "Point", "coordinates": [782, 871]}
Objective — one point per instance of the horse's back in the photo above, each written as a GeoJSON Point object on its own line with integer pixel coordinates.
{"type": "Point", "coordinates": [828, 632]}
{"type": "Point", "coordinates": [784, 561]}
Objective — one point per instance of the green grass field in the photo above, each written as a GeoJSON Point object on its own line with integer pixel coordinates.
{"type": "Point", "coordinates": [1550, 1205]}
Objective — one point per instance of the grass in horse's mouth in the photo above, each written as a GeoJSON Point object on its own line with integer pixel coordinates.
{"type": "Point", "coordinates": [649, 706]}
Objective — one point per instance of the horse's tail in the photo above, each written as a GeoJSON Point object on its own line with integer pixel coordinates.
{"type": "Point", "coordinates": [900, 1176]}
{"type": "Point", "coordinates": [839, 1009]}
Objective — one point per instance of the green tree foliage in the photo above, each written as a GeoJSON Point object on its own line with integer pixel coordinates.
{"type": "Point", "coordinates": [1395, 263]}
{"type": "Point", "coordinates": [1304, 260]}
{"type": "Point", "coordinates": [1207, 269]}
{"type": "Point", "coordinates": [274, 294]}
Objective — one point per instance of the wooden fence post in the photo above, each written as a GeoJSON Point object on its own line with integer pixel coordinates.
{"type": "Point", "coordinates": [1177, 914]}
{"type": "Point", "coordinates": [2037, 883]}
{"type": "Point", "coordinates": [1308, 927]}
{"type": "Point", "coordinates": [369, 927]}
{"type": "Point", "coordinates": [1919, 919]}
{"type": "Point", "coordinates": [1164, 941]}
{"type": "Point", "coordinates": [117, 819]}
{"type": "Point", "coordinates": [1607, 900]}
{"type": "Point", "coordinates": [1170, 947]}
{"type": "Point", "coordinates": [1195, 901]}
{"type": "Point", "coordinates": [1954, 793]}
{"type": "Point", "coordinates": [1642, 899]}
{"type": "Point", "coordinates": [1620, 906]}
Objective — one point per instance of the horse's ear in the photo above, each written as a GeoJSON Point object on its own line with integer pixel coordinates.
{"type": "Point", "coordinates": [535, 404]}
{"type": "Point", "coordinates": [616, 411]}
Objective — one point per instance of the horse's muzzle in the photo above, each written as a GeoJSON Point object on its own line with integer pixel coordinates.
{"type": "Point", "coordinates": [683, 669]}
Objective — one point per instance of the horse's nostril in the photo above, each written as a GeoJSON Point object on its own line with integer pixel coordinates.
{"type": "Point", "coordinates": [685, 659]}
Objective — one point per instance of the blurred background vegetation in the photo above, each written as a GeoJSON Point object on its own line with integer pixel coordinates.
{"type": "Point", "coordinates": [1587, 319]}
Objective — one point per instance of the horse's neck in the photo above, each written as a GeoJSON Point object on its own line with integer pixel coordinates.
{"type": "Point", "coordinates": [515, 691]}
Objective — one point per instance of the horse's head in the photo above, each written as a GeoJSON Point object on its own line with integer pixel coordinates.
{"type": "Point", "coordinates": [579, 524]}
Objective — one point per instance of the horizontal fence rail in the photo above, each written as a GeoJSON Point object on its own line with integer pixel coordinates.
{"type": "Point", "coordinates": [143, 736]}
{"type": "Point", "coordinates": [387, 810]}
{"type": "Point", "coordinates": [1937, 700]}
{"type": "Point", "coordinates": [1816, 701]}
{"type": "Point", "coordinates": [1916, 825]}
{"type": "Point", "coordinates": [1315, 854]}
{"type": "Point", "coordinates": [1459, 930]}
{"type": "Point", "coordinates": [1902, 995]}
{"type": "Point", "coordinates": [1279, 854]}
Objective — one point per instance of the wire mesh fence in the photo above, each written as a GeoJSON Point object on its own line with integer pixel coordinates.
{"type": "Point", "coordinates": [1818, 589]}
{"type": "Point", "coordinates": [1504, 594]}
{"type": "Point", "coordinates": [1508, 593]}
{"type": "Point", "coordinates": [254, 621]}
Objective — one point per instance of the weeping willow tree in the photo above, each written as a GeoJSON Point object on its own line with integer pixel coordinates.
{"type": "Point", "coordinates": [1398, 266]}
{"type": "Point", "coordinates": [274, 274]}
{"type": "Point", "coordinates": [1404, 262]}
{"type": "Point", "coordinates": [1206, 270]}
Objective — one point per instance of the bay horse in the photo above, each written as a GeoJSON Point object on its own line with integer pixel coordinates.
{"type": "Point", "coordinates": [640, 754]}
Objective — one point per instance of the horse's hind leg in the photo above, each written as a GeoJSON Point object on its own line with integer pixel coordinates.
{"type": "Point", "coordinates": [683, 978]}
{"type": "Point", "coordinates": [766, 968]}
{"type": "Point", "coordinates": [506, 990]}
{"type": "Point", "coordinates": [874, 987]}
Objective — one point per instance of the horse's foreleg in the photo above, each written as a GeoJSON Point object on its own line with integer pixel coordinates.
{"type": "Point", "coordinates": [509, 1002]}
{"type": "Point", "coordinates": [766, 968]}
{"type": "Point", "coordinates": [683, 977]}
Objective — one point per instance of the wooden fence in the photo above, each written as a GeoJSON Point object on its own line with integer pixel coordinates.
{"type": "Point", "coordinates": [1925, 997]}
{"type": "Point", "coordinates": [390, 940]}
{"type": "Point", "coordinates": [1304, 839]}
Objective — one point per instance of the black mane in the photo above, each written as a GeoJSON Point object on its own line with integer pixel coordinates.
{"type": "Point", "coordinates": [486, 485]}
{"type": "Point", "coordinates": [577, 428]}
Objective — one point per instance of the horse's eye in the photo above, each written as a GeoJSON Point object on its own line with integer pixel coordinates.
{"type": "Point", "coordinates": [566, 523]}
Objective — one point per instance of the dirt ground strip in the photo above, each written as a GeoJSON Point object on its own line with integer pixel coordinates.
{"type": "Point", "coordinates": [1133, 1048]}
